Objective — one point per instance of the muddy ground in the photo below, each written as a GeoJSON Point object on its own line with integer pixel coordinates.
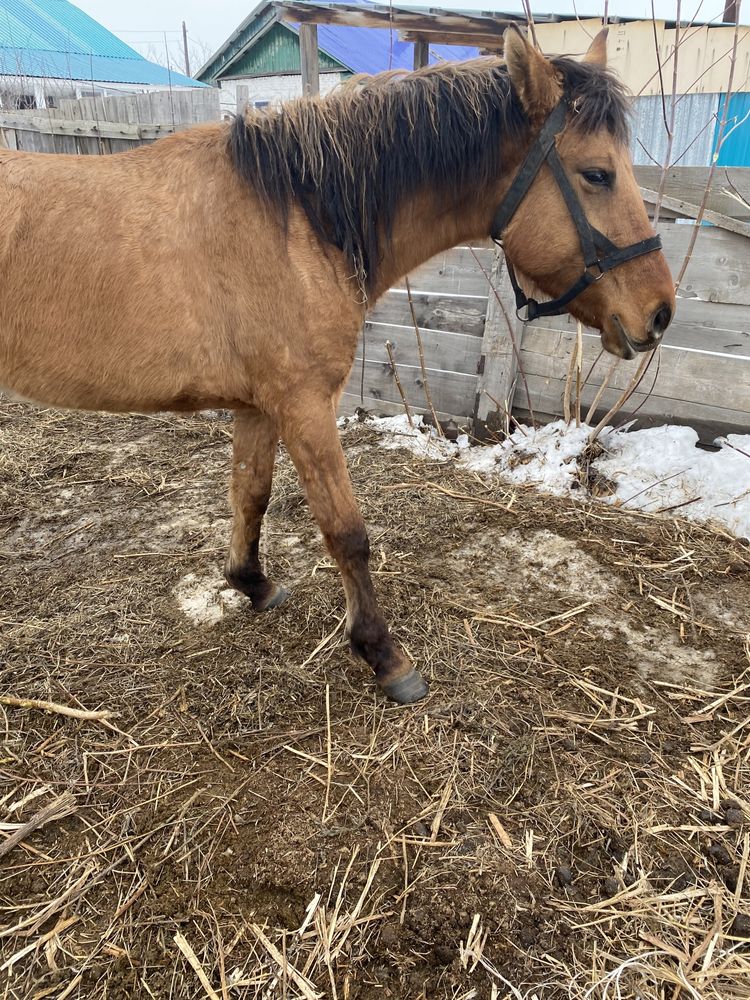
{"type": "Point", "coordinates": [566, 815]}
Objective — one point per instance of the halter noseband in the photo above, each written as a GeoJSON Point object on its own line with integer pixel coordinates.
{"type": "Point", "coordinates": [598, 251]}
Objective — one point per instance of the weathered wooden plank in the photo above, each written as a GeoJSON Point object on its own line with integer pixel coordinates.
{"type": "Point", "coordinates": [359, 17]}
{"type": "Point", "coordinates": [499, 364]}
{"type": "Point", "coordinates": [43, 125]}
{"type": "Point", "coordinates": [708, 419]}
{"type": "Point", "coordinates": [8, 138]}
{"type": "Point", "coordinates": [449, 352]}
{"type": "Point", "coordinates": [683, 209]}
{"type": "Point", "coordinates": [491, 43]}
{"type": "Point", "coordinates": [452, 392]}
{"type": "Point", "coordinates": [719, 269]}
{"type": "Point", "coordinates": [682, 375]}
{"type": "Point", "coordinates": [707, 327]}
{"type": "Point", "coordinates": [435, 312]}
{"type": "Point", "coordinates": [453, 272]}
{"type": "Point", "coordinates": [689, 184]}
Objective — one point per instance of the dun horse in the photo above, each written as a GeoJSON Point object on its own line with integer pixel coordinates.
{"type": "Point", "coordinates": [231, 265]}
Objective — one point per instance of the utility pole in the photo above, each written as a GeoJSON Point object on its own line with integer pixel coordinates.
{"type": "Point", "coordinates": [730, 12]}
{"type": "Point", "coordinates": [184, 42]}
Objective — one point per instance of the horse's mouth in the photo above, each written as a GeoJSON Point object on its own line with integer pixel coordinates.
{"type": "Point", "coordinates": [628, 346]}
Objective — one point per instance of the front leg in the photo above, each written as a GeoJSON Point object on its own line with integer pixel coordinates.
{"type": "Point", "coordinates": [253, 452]}
{"type": "Point", "coordinates": [308, 429]}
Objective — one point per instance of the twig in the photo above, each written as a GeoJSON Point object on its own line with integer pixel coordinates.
{"type": "Point", "coordinates": [182, 943]}
{"type": "Point", "coordinates": [51, 706]}
{"type": "Point", "coordinates": [569, 382]}
{"type": "Point", "coordinates": [59, 808]}
{"type": "Point", "coordinates": [715, 158]}
{"type": "Point", "coordinates": [579, 364]}
{"type": "Point", "coordinates": [616, 407]}
{"type": "Point", "coordinates": [329, 767]}
{"type": "Point", "coordinates": [425, 381]}
{"type": "Point", "coordinates": [600, 391]}
{"type": "Point", "coordinates": [300, 981]}
{"type": "Point", "coordinates": [394, 370]}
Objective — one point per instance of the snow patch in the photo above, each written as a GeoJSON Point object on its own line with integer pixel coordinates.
{"type": "Point", "coordinates": [657, 469]}
{"type": "Point", "coordinates": [205, 599]}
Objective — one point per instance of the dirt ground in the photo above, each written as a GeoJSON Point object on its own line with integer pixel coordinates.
{"type": "Point", "coordinates": [567, 815]}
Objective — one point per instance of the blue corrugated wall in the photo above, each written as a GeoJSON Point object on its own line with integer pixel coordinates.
{"type": "Point", "coordinates": [735, 150]}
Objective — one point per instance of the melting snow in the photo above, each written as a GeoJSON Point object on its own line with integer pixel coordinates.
{"type": "Point", "coordinates": [658, 469]}
{"type": "Point", "coordinates": [205, 599]}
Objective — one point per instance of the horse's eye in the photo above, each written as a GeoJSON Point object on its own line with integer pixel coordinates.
{"type": "Point", "coordinates": [600, 178]}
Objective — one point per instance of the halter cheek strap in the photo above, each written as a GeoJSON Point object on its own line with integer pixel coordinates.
{"type": "Point", "coordinates": [599, 253]}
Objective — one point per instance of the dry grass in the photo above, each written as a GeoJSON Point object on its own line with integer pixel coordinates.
{"type": "Point", "coordinates": [566, 816]}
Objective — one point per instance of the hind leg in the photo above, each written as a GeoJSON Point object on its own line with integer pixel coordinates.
{"type": "Point", "coordinates": [253, 453]}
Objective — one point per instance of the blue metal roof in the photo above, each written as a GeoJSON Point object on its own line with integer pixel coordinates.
{"type": "Point", "coordinates": [53, 38]}
{"type": "Point", "coordinates": [370, 50]}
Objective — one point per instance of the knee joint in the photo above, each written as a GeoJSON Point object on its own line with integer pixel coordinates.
{"type": "Point", "coordinates": [351, 546]}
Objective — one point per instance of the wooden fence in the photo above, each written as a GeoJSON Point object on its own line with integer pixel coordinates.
{"type": "Point", "coordinates": [94, 125]}
{"type": "Point", "coordinates": [701, 375]}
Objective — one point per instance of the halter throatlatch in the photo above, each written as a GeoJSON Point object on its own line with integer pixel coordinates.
{"type": "Point", "coordinates": [599, 253]}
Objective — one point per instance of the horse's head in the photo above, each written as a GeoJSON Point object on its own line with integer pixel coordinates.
{"type": "Point", "coordinates": [580, 223]}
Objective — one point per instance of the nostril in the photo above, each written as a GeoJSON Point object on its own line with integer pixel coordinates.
{"type": "Point", "coordinates": [660, 320]}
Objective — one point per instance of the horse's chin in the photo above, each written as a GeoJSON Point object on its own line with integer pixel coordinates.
{"type": "Point", "coordinates": [615, 341]}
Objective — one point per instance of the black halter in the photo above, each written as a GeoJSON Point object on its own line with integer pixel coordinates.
{"type": "Point", "coordinates": [598, 252]}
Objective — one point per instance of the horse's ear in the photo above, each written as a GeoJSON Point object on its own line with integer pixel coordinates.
{"type": "Point", "coordinates": [534, 78]}
{"type": "Point", "coordinates": [597, 53]}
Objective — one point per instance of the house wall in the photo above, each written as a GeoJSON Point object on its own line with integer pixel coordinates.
{"type": "Point", "coordinates": [703, 64]}
{"type": "Point", "coordinates": [273, 89]}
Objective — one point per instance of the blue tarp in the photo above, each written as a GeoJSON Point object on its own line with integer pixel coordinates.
{"type": "Point", "coordinates": [735, 148]}
{"type": "Point", "coordinates": [370, 50]}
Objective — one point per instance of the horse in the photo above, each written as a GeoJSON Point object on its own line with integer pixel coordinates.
{"type": "Point", "coordinates": [230, 266]}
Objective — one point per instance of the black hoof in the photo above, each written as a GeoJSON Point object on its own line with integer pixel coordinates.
{"type": "Point", "coordinates": [408, 689]}
{"type": "Point", "coordinates": [277, 598]}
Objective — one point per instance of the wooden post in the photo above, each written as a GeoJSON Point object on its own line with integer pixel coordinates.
{"type": "Point", "coordinates": [497, 365]}
{"type": "Point", "coordinates": [185, 47]}
{"type": "Point", "coordinates": [308, 51]}
{"type": "Point", "coordinates": [421, 53]}
{"type": "Point", "coordinates": [242, 93]}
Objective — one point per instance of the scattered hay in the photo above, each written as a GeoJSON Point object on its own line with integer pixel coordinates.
{"type": "Point", "coordinates": [555, 821]}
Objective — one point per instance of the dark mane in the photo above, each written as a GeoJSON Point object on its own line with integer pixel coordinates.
{"type": "Point", "coordinates": [352, 158]}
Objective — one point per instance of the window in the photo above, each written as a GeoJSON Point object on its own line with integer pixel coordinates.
{"type": "Point", "coordinates": [25, 102]}
{"type": "Point", "coordinates": [261, 104]}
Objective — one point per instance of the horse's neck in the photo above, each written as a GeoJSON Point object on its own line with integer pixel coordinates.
{"type": "Point", "coordinates": [428, 225]}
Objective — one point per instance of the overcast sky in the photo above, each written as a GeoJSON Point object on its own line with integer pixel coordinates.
{"type": "Point", "coordinates": [142, 22]}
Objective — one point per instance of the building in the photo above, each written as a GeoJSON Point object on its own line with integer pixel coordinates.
{"type": "Point", "coordinates": [260, 63]}
{"type": "Point", "coordinates": [51, 50]}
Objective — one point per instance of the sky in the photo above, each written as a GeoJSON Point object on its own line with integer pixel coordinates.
{"type": "Point", "coordinates": [142, 23]}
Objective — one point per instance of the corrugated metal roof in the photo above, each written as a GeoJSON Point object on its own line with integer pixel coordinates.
{"type": "Point", "coordinates": [54, 38]}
